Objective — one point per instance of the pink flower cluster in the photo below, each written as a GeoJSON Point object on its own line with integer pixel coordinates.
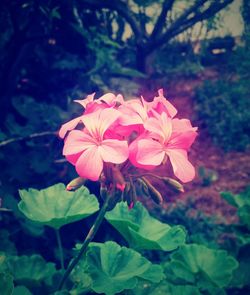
{"type": "Point", "coordinates": [140, 133]}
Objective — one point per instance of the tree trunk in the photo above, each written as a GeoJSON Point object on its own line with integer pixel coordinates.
{"type": "Point", "coordinates": [141, 58]}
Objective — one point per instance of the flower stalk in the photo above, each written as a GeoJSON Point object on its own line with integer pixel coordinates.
{"type": "Point", "coordinates": [88, 239]}
{"type": "Point", "coordinates": [60, 248]}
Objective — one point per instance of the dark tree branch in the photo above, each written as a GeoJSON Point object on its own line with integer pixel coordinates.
{"type": "Point", "coordinates": [122, 9]}
{"type": "Point", "coordinates": [209, 12]}
{"type": "Point", "coordinates": [183, 22]}
{"type": "Point", "coordinates": [159, 25]}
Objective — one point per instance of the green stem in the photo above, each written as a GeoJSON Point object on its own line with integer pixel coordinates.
{"type": "Point", "coordinates": [59, 243]}
{"type": "Point", "coordinates": [86, 242]}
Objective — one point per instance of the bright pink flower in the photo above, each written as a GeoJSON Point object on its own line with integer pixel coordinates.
{"type": "Point", "coordinates": [90, 105]}
{"type": "Point", "coordinates": [133, 116]}
{"type": "Point", "coordinates": [69, 126]}
{"type": "Point", "coordinates": [88, 149]}
{"type": "Point", "coordinates": [166, 137]}
{"type": "Point", "coordinates": [160, 104]}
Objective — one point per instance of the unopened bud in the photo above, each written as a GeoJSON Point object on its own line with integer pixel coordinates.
{"type": "Point", "coordinates": [118, 178]}
{"type": "Point", "coordinates": [143, 186]}
{"type": "Point", "coordinates": [176, 185]}
{"type": "Point", "coordinates": [103, 192]}
{"type": "Point", "coordinates": [130, 195]}
{"type": "Point", "coordinates": [154, 193]}
{"type": "Point", "coordinates": [75, 184]}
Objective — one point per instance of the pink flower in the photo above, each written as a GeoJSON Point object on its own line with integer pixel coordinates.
{"type": "Point", "coordinates": [89, 149]}
{"type": "Point", "coordinates": [110, 124]}
{"type": "Point", "coordinates": [90, 105]}
{"type": "Point", "coordinates": [165, 138]}
{"type": "Point", "coordinates": [160, 104]}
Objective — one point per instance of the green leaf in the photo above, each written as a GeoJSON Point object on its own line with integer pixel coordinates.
{"type": "Point", "coordinates": [6, 283]}
{"type": "Point", "coordinates": [30, 270]}
{"type": "Point", "coordinates": [21, 290]}
{"type": "Point", "coordinates": [3, 262]}
{"type": "Point", "coordinates": [244, 215]}
{"type": "Point", "coordinates": [238, 200]}
{"type": "Point", "coordinates": [6, 245]}
{"type": "Point", "coordinates": [143, 231]}
{"type": "Point", "coordinates": [55, 207]}
{"type": "Point", "coordinates": [241, 276]}
{"type": "Point", "coordinates": [164, 288]}
{"type": "Point", "coordinates": [113, 268]}
{"type": "Point", "coordinates": [197, 264]}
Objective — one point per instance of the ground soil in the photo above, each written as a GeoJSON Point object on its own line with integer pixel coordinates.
{"type": "Point", "coordinates": [232, 168]}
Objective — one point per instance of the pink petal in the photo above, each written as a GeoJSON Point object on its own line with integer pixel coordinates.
{"type": "Point", "coordinates": [182, 140]}
{"type": "Point", "coordinates": [94, 106]}
{"type": "Point", "coordinates": [120, 99]}
{"type": "Point", "coordinates": [182, 168]}
{"type": "Point", "coordinates": [162, 125]}
{"type": "Point", "coordinates": [133, 152]}
{"type": "Point", "coordinates": [69, 126]}
{"type": "Point", "coordinates": [146, 152]}
{"type": "Point", "coordinates": [108, 98]}
{"type": "Point", "coordinates": [73, 158]}
{"type": "Point", "coordinates": [150, 152]}
{"type": "Point", "coordinates": [132, 112]}
{"type": "Point", "coordinates": [90, 164]}
{"type": "Point", "coordinates": [86, 101]}
{"type": "Point", "coordinates": [113, 151]}
{"type": "Point", "coordinates": [76, 142]}
{"type": "Point", "coordinates": [99, 121]}
{"type": "Point", "coordinates": [161, 104]}
{"type": "Point", "coordinates": [182, 125]}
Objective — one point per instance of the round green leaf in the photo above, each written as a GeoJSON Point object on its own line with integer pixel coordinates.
{"type": "Point", "coordinates": [143, 231]}
{"type": "Point", "coordinates": [6, 283]}
{"type": "Point", "coordinates": [21, 290]}
{"type": "Point", "coordinates": [30, 270]}
{"type": "Point", "coordinates": [55, 206]}
{"type": "Point", "coordinates": [113, 268]}
{"type": "Point", "coordinates": [164, 288]}
{"type": "Point", "coordinates": [197, 264]}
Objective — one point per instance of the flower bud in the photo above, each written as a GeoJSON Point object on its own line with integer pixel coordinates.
{"type": "Point", "coordinates": [130, 195]}
{"type": "Point", "coordinates": [75, 184]}
{"type": "Point", "coordinates": [103, 192]}
{"type": "Point", "coordinates": [154, 193]}
{"type": "Point", "coordinates": [176, 185]}
{"type": "Point", "coordinates": [118, 178]}
{"type": "Point", "coordinates": [143, 186]}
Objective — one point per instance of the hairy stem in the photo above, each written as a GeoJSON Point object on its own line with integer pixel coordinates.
{"type": "Point", "coordinates": [87, 240]}
{"type": "Point", "coordinates": [59, 243]}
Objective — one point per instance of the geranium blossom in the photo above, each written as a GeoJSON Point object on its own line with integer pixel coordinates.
{"type": "Point", "coordinates": [88, 149]}
{"type": "Point", "coordinates": [113, 130]}
{"type": "Point", "coordinates": [166, 137]}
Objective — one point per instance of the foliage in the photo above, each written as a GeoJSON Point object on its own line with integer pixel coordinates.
{"type": "Point", "coordinates": [110, 268]}
{"type": "Point", "coordinates": [206, 268]}
{"type": "Point", "coordinates": [29, 270]}
{"type": "Point", "coordinates": [6, 283]}
{"type": "Point", "coordinates": [242, 235]}
{"type": "Point", "coordinates": [113, 269]}
{"type": "Point", "coordinates": [143, 231]}
{"type": "Point", "coordinates": [208, 176]}
{"type": "Point", "coordinates": [177, 60]}
{"type": "Point", "coordinates": [222, 107]}
{"type": "Point", "coordinates": [55, 207]}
